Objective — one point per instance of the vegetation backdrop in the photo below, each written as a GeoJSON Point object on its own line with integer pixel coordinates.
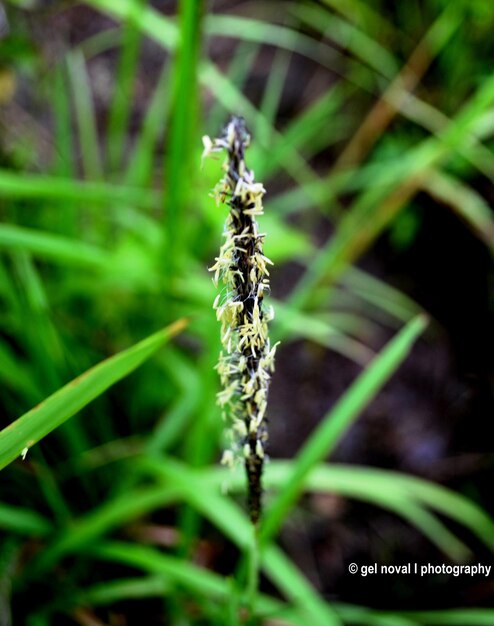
{"type": "Point", "coordinates": [372, 130]}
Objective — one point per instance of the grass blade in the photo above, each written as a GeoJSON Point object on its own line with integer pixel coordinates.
{"type": "Point", "coordinates": [140, 167]}
{"type": "Point", "coordinates": [32, 187]}
{"type": "Point", "coordinates": [122, 98]}
{"type": "Point", "coordinates": [64, 165]}
{"type": "Point", "coordinates": [113, 514]}
{"type": "Point", "coordinates": [85, 116]}
{"type": "Point", "coordinates": [168, 570]}
{"type": "Point", "coordinates": [49, 246]}
{"type": "Point", "coordinates": [334, 424]}
{"type": "Point", "coordinates": [234, 524]}
{"type": "Point", "coordinates": [239, 69]}
{"type": "Point", "coordinates": [375, 208]}
{"type": "Point", "coordinates": [407, 496]}
{"type": "Point", "coordinates": [66, 402]}
{"type": "Point", "coordinates": [182, 129]}
{"type": "Point", "coordinates": [23, 521]}
{"type": "Point", "coordinates": [164, 31]}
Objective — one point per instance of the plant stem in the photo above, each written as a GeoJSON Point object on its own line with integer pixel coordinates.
{"type": "Point", "coordinates": [181, 129]}
{"type": "Point", "coordinates": [253, 575]}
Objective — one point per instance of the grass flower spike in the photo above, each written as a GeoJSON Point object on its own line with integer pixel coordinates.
{"type": "Point", "coordinates": [247, 359]}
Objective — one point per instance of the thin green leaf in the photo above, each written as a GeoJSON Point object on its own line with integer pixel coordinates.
{"type": "Point", "coordinates": [171, 572]}
{"type": "Point", "coordinates": [64, 158]}
{"type": "Point", "coordinates": [154, 24]}
{"type": "Point", "coordinates": [234, 524]}
{"type": "Point", "coordinates": [293, 324]}
{"type": "Point", "coordinates": [113, 514]}
{"type": "Point", "coordinates": [122, 97]}
{"type": "Point", "coordinates": [140, 167]}
{"type": "Point", "coordinates": [239, 69]}
{"type": "Point", "coordinates": [50, 246]}
{"type": "Point", "coordinates": [15, 373]}
{"type": "Point", "coordinates": [346, 35]}
{"type": "Point", "coordinates": [332, 427]}
{"type": "Point", "coordinates": [179, 165]}
{"type": "Point", "coordinates": [66, 402]}
{"type": "Point", "coordinates": [112, 591]}
{"type": "Point", "coordinates": [85, 115]}
{"type": "Point", "coordinates": [283, 37]}
{"type": "Point", "coordinates": [379, 204]}
{"type": "Point", "coordinates": [35, 187]}
{"type": "Point", "coordinates": [405, 495]}
{"type": "Point", "coordinates": [23, 521]}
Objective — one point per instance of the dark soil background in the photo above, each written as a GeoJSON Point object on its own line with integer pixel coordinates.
{"type": "Point", "coordinates": [433, 419]}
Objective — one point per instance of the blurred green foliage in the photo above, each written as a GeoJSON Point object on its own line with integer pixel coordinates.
{"type": "Point", "coordinates": [107, 229]}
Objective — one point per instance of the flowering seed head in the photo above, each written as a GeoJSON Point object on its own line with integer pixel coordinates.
{"type": "Point", "coordinates": [247, 358]}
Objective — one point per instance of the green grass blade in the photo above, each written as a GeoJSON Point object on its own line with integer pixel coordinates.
{"type": "Point", "coordinates": [432, 528]}
{"type": "Point", "coordinates": [37, 315]}
{"type": "Point", "coordinates": [406, 496]}
{"type": "Point", "coordinates": [173, 425]}
{"type": "Point", "coordinates": [66, 402]}
{"type": "Point", "coordinates": [347, 36]}
{"type": "Point", "coordinates": [101, 42]}
{"type": "Point", "coordinates": [122, 98]}
{"type": "Point", "coordinates": [433, 120]}
{"type": "Point", "coordinates": [45, 344]}
{"type": "Point", "coordinates": [163, 30]}
{"type": "Point", "coordinates": [40, 187]}
{"type": "Point", "coordinates": [23, 521]}
{"type": "Point", "coordinates": [51, 247]}
{"type": "Point", "coordinates": [91, 527]}
{"type": "Point", "coordinates": [362, 616]}
{"type": "Point", "coordinates": [165, 571]}
{"type": "Point", "coordinates": [366, 17]}
{"type": "Point", "coordinates": [85, 116]}
{"type": "Point", "coordinates": [116, 590]}
{"type": "Point", "coordinates": [182, 136]}
{"type": "Point", "coordinates": [234, 524]}
{"type": "Point", "coordinates": [455, 506]}
{"type": "Point", "coordinates": [64, 157]}
{"type": "Point", "coordinates": [335, 423]}
{"type": "Point", "coordinates": [381, 295]}
{"type": "Point", "coordinates": [157, 27]}
{"type": "Point", "coordinates": [239, 69]}
{"type": "Point", "coordinates": [310, 131]}
{"type": "Point", "coordinates": [291, 323]}
{"type": "Point", "coordinates": [140, 167]}
{"type": "Point", "coordinates": [196, 579]}
{"type": "Point", "coordinates": [297, 588]}
{"type": "Point", "coordinates": [15, 373]}
{"type": "Point", "coordinates": [259, 31]}
{"type": "Point", "coordinates": [168, 571]}
{"type": "Point", "coordinates": [375, 208]}
{"type": "Point", "coordinates": [268, 138]}
{"type": "Point", "coordinates": [367, 482]}
{"type": "Point", "coordinates": [271, 98]}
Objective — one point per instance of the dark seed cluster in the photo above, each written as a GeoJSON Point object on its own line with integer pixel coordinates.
{"type": "Point", "coordinates": [247, 359]}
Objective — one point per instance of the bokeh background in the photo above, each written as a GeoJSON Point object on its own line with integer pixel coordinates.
{"type": "Point", "coordinates": [372, 129]}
